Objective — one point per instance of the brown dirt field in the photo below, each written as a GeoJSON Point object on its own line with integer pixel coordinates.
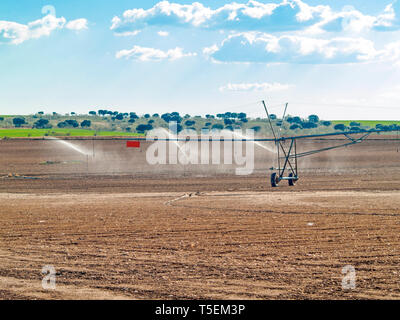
{"type": "Point", "coordinates": [116, 228]}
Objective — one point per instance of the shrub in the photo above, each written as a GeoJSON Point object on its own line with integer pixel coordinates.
{"type": "Point", "coordinates": [297, 120]}
{"type": "Point", "coordinates": [72, 123]}
{"type": "Point", "coordinates": [141, 128]}
{"type": "Point", "coordinates": [326, 123]}
{"type": "Point", "coordinates": [309, 125]}
{"type": "Point", "coordinates": [68, 124]}
{"type": "Point", "coordinates": [294, 126]}
{"type": "Point", "coordinates": [340, 126]}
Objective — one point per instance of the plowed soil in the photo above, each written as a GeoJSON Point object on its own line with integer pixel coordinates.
{"type": "Point", "coordinates": [114, 227]}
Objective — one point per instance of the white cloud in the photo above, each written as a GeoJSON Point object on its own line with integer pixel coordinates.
{"type": "Point", "coordinates": [287, 15]}
{"type": "Point", "coordinates": [390, 18]}
{"type": "Point", "coordinates": [210, 50]}
{"type": "Point", "coordinates": [16, 33]}
{"type": "Point", "coordinates": [78, 24]}
{"type": "Point", "coordinates": [128, 33]}
{"type": "Point", "coordinates": [267, 48]}
{"type": "Point", "coordinates": [12, 32]}
{"type": "Point", "coordinates": [163, 33]}
{"type": "Point", "coordinates": [265, 87]}
{"type": "Point", "coordinates": [352, 20]}
{"type": "Point", "coordinates": [151, 54]}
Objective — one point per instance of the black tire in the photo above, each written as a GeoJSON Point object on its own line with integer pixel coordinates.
{"type": "Point", "coordinates": [292, 182]}
{"type": "Point", "coordinates": [274, 180]}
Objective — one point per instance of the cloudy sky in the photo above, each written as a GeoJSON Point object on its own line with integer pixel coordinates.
{"type": "Point", "coordinates": [339, 59]}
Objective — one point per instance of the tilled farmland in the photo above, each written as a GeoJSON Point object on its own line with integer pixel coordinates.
{"type": "Point", "coordinates": [114, 227]}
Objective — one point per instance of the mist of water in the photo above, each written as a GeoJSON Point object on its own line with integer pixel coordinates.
{"type": "Point", "coordinates": [173, 139]}
{"type": "Point", "coordinates": [70, 145]}
{"type": "Point", "coordinates": [241, 136]}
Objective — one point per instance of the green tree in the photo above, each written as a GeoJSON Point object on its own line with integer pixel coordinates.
{"type": "Point", "coordinates": [86, 123]}
{"type": "Point", "coordinates": [141, 128]}
{"type": "Point", "coordinates": [190, 123]}
{"type": "Point", "coordinates": [42, 124]}
{"type": "Point", "coordinates": [313, 118]}
{"type": "Point", "coordinates": [18, 122]}
{"type": "Point", "coordinates": [217, 126]}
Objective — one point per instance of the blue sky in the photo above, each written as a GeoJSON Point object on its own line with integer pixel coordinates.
{"type": "Point", "coordinates": [339, 59]}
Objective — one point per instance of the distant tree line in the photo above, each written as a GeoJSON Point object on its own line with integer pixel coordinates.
{"type": "Point", "coordinates": [146, 122]}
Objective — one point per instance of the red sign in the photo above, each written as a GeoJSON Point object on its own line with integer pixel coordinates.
{"type": "Point", "coordinates": [133, 144]}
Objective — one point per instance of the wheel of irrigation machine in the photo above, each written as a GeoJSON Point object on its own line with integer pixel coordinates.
{"type": "Point", "coordinates": [292, 182]}
{"type": "Point", "coordinates": [274, 180]}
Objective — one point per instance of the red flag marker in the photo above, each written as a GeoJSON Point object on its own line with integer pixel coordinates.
{"type": "Point", "coordinates": [133, 144]}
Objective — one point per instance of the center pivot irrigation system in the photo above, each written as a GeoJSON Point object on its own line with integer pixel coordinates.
{"type": "Point", "coordinates": [287, 149]}
{"type": "Point", "coordinates": [287, 154]}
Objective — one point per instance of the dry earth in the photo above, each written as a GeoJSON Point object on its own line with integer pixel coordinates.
{"type": "Point", "coordinates": [116, 228]}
